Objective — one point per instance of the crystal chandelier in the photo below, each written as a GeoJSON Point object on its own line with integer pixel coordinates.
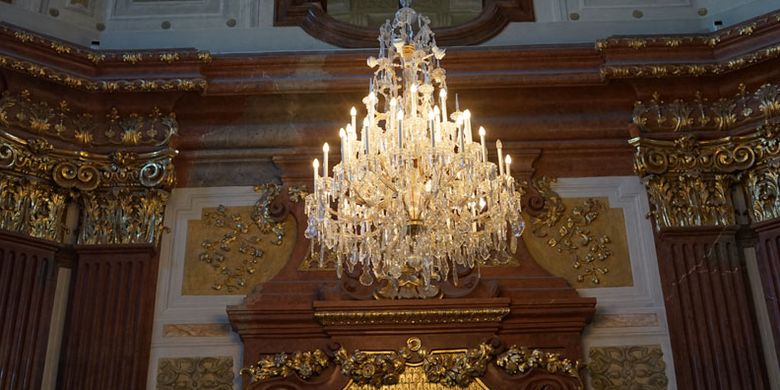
{"type": "Point", "coordinates": [414, 192]}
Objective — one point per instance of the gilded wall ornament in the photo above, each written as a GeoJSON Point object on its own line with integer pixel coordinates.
{"type": "Point", "coordinates": [195, 373]}
{"type": "Point", "coordinates": [236, 254]}
{"type": "Point", "coordinates": [32, 207]}
{"type": "Point", "coordinates": [570, 233]}
{"type": "Point", "coordinates": [701, 114]}
{"type": "Point", "coordinates": [690, 181]}
{"type": "Point", "coordinates": [303, 364]}
{"type": "Point", "coordinates": [456, 368]}
{"type": "Point", "coordinates": [519, 360]}
{"type": "Point", "coordinates": [628, 367]}
{"type": "Point", "coordinates": [122, 195]}
{"type": "Point", "coordinates": [58, 121]}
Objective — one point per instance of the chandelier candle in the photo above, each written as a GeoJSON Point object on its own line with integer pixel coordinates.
{"type": "Point", "coordinates": [413, 193]}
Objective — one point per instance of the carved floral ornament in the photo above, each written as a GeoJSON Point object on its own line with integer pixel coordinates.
{"type": "Point", "coordinates": [690, 181]}
{"type": "Point", "coordinates": [450, 368]}
{"type": "Point", "coordinates": [60, 122]}
{"type": "Point", "coordinates": [702, 114]}
{"type": "Point", "coordinates": [122, 195]}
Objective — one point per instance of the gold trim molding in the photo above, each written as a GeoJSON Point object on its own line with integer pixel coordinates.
{"type": "Point", "coordinates": [451, 368]}
{"type": "Point", "coordinates": [433, 316]}
{"type": "Point", "coordinates": [711, 40]}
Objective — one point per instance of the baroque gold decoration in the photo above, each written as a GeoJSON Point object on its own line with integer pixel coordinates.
{"type": "Point", "coordinates": [628, 367]}
{"type": "Point", "coordinates": [689, 181]}
{"type": "Point", "coordinates": [303, 364]}
{"type": "Point", "coordinates": [458, 369]}
{"type": "Point", "coordinates": [122, 216]}
{"type": "Point", "coordinates": [702, 114]}
{"type": "Point", "coordinates": [31, 207]}
{"type": "Point", "coordinates": [372, 369]}
{"type": "Point", "coordinates": [195, 373]}
{"type": "Point", "coordinates": [236, 255]}
{"type": "Point", "coordinates": [455, 368]}
{"type": "Point", "coordinates": [97, 85]}
{"type": "Point", "coordinates": [122, 195]}
{"type": "Point", "coordinates": [517, 361]}
{"type": "Point", "coordinates": [58, 121]}
{"type": "Point", "coordinates": [571, 234]}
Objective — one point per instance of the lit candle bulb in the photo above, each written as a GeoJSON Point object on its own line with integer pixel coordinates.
{"type": "Point", "coordinates": [365, 136]}
{"type": "Point", "coordinates": [508, 162]}
{"type": "Point", "coordinates": [459, 125]}
{"type": "Point", "coordinates": [353, 114]}
{"type": "Point", "coordinates": [443, 104]}
{"type": "Point", "coordinates": [343, 136]}
{"type": "Point", "coordinates": [482, 142]}
{"type": "Point", "coordinates": [437, 122]}
{"type": "Point", "coordinates": [432, 127]}
{"type": "Point", "coordinates": [316, 165]}
{"type": "Point", "coordinates": [348, 143]}
{"type": "Point", "coordinates": [500, 158]}
{"type": "Point", "coordinates": [400, 117]}
{"type": "Point", "coordinates": [413, 100]}
{"type": "Point", "coordinates": [467, 126]}
{"type": "Point", "coordinates": [325, 150]}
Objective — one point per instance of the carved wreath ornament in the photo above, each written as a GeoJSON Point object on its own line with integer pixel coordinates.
{"type": "Point", "coordinates": [458, 368]}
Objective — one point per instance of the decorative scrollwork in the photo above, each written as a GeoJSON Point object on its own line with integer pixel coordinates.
{"type": "Point", "coordinates": [689, 181]}
{"type": "Point", "coordinates": [449, 368]}
{"type": "Point", "coordinates": [458, 370]}
{"type": "Point", "coordinates": [235, 255]}
{"type": "Point", "coordinates": [519, 361]}
{"type": "Point", "coordinates": [371, 369]}
{"type": "Point", "coordinates": [571, 235]}
{"type": "Point", "coordinates": [303, 364]}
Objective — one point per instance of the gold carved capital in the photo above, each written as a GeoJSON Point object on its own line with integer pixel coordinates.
{"type": "Point", "coordinates": [690, 182]}
{"type": "Point", "coordinates": [121, 194]}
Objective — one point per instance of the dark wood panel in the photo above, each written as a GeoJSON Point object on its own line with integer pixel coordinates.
{"type": "Point", "coordinates": [712, 326]}
{"type": "Point", "coordinates": [108, 332]}
{"type": "Point", "coordinates": [28, 277]}
{"type": "Point", "coordinates": [768, 256]}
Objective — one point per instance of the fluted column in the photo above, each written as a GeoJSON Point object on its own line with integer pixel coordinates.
{"type": "Point", "coordinates": [28, 277]}
{"type": "Point", "coordinates": [713, 327]}
{"type": "Point", "coordinates": [768, 255]}
{"type": "Point", "coordinates": [109, 326]}
{"type": "Point", "coordinates": [710, 311]}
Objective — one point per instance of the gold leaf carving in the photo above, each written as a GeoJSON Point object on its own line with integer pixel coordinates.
{"type": "Point", "coordinates": [572, 233]}
{"type": "Point", "coordinates": [626, 367]}
{"type": "Point", "coordinates": [303, 364]}
{"type": "Point", "coordinates": [245, 238]}
{"type": "Point", "coordinates": [442, 369]}
{"type": "Point", "coordinates": [59, 122]}
{"type": "Point", "coordinates": [195, 373]}
{"type": "Point", "coordinates": [704, 115]}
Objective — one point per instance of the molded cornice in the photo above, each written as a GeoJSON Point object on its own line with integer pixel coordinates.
{"type": "Point", "coordinates": [644, 57]}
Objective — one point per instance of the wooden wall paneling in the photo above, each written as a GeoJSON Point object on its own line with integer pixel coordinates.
{"type": "Point", "coordinates": [768, 255]}
{"type": "Point", "coordinates": [713, 329]}
{"type": "Point", "coordinates": [28, 278]}
{"type": "Point", "coordinates": [109, 325]}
